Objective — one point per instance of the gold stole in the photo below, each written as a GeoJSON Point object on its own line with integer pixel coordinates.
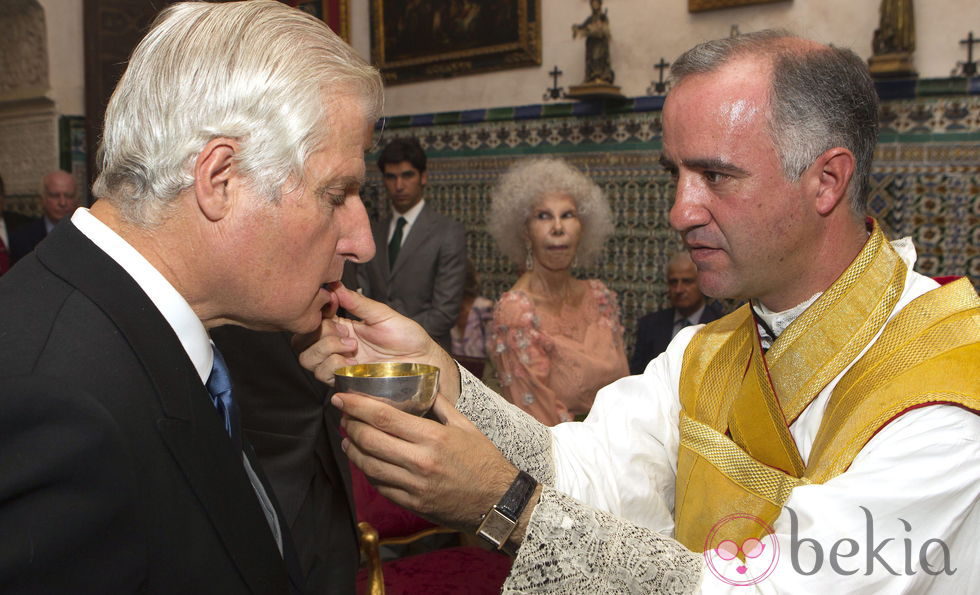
{"type": "Point", "coordinates": [737, 456]}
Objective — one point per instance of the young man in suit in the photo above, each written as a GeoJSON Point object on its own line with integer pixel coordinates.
{"type": "Point", "coordinates": [422, 272]}
{"type": "Point", "coordinates": [232, 157]}
{"type": "Point", "coordinates": [59, 199]}
{"type": "Point", "coordinates": [655, 330]}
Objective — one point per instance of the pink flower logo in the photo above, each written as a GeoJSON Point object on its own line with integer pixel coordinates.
{"type": "Point", "coordinates": [729, 561]}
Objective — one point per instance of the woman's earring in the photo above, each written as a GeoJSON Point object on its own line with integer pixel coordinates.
{"type": "Point", "coordinates": [529, 260]}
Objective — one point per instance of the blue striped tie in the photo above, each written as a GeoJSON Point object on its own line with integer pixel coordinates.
{"type": "Point", "coordinates": [219, 385]}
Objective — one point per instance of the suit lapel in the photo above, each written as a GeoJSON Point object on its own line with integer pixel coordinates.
{"type": "Point", "coordinates": [416, 235]}
{"type": "Point", "coordinates": [331, 418]}
{"type": "Point", "coordinates": [191, 429]}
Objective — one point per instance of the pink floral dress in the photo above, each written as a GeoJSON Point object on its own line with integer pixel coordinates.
{"type": "Point", "coordinates": [551, 366]}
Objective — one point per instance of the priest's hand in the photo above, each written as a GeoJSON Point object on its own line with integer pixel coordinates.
{"type": "Point", "coordinates": [445, 471]}
{"type": "Point", "coordinates": [380, 335]}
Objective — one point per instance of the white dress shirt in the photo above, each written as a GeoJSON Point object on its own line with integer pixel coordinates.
{"type": "Point", "coordinates": [410, 216]}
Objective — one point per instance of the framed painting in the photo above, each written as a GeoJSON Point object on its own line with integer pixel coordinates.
{"type": "Point", "coordinates": [333, 12]}
{"type": "Point", "coordinates": [703, 5]}
{"type": "Point", "coordinates": [413, 40]}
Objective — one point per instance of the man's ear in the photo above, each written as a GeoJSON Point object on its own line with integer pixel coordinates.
{"type": "Point", "coordinates": [424, 177]}
{"type": "Point", "coordinates": [831, 175]}
{"type": "Point", "coordinates": [212, 173]}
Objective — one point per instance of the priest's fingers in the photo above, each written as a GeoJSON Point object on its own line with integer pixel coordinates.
{"type": "Point", "coordinates": [384, 417]}
{"type": "Point", "coordinates": [379, 470]}
{"type": "Point", "coordinates": [368, 310]}
{"type": "Point", "coordinates": [456, 473]}
{"type": "Point", "coordinates": [334, 349]}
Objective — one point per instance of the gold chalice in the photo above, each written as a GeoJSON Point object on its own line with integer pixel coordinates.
{"type": "Point", "coordinates": [407, 386]}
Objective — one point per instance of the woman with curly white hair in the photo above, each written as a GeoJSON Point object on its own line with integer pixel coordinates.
{"type": "Point", "coordinates": [555, 340]}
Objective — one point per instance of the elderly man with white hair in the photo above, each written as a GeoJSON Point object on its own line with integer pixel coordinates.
{"type": "Point", "coordinates": [231, 161]}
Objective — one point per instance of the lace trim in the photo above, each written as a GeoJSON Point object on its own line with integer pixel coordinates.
{"type": "Point", "coordinates": [523, 440]}
{"type": "Point", "coordinates": [572, 548]}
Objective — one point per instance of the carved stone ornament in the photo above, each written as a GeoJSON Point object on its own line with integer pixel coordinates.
{"type": "Point", "coordinates": [23, 50]}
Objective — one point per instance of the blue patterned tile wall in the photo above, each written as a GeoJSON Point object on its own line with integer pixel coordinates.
{"type": "Point", "coordinates": [926, 178]}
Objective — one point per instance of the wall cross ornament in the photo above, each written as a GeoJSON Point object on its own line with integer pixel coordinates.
{"type": "Point", "coordinates": [659, 87]}
{"type": "Point", "coordinates": [554, 92]}
{"type": "Point", "coordinates": [968, 68]}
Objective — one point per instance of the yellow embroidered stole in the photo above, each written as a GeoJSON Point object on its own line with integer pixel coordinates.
{"type": "Point", "coordinates": [737, 456]}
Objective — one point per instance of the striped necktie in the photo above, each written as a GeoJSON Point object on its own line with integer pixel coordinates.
{"type": "Point", "coordinates": [219, 385]}
{"type": "Point", "coordinates": [395, 245]}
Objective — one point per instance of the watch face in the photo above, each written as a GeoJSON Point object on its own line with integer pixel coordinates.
{"type": "Point", "coordinates": [496, 527]}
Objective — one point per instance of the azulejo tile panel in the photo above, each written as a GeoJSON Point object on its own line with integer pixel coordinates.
{"type": "Point", "coordinates": [925, 183]}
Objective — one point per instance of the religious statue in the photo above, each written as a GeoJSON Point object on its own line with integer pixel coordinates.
{"type": "Point", "coordinates": [599, 75]}
{"type": "Point", "coordinates": [894, 40]}
{"type": "Point", "coordinates": [595, 29]}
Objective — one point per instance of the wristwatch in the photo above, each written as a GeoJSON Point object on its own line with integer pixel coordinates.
{"type": "Point", "coordinates": [498, 523]}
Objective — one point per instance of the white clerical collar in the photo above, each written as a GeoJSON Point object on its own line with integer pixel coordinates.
{"type": "Point", "coordinates": [778, 321]}
{"type": "Point", "coordinates": [174, 308]}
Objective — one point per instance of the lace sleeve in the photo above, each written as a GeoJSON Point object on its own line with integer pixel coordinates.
{"type": "Point", "coordinates": [572, 548]}
{"type": "Point", "coordinates": [523, 440]}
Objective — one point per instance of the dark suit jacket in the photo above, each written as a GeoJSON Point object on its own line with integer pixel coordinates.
{"type": "Point", "coordinates": [26, 237]}
{"type": "Point", "coordinates": [117, 474]}
{"type": "Point", "coordinates": [12, 221]}
{"type": "Point", "coordinates": [653, 334]}
{"type": "Point", "coordinates": [16, 220]}
{"type": "Point", "coordinates": [426, 283]}
{"type": "Point", "coordinates": [294, 430]}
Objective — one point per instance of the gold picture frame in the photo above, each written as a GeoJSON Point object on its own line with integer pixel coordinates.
{"type": "Point", "coordinates": [703, 5]}
{"type": "Point", "coordinates": [414, 40]}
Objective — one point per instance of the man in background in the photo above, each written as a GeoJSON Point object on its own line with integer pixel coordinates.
{"type": "Point", "coordinates": [231, 163]}
{"type": "Point", "coordinates": [59, 199]}
{"type": "Point", "coordinates": [9, 221]}
{"type": "Point", "coordinates": [422, 271]}
{"type": "Point", "coordinates": [655, 330]}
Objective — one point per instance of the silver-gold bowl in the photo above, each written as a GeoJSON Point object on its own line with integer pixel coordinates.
{"type": "Point", "coordinates": [407, 386]}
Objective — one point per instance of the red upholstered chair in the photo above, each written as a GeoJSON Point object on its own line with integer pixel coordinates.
{"type": "Point", "coordinates": [453, 570]}
{"type": "Point", "coordinates": [946, 279]}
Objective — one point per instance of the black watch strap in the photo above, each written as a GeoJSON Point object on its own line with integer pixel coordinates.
{"type": "Point", "coordinates": [499, 522]}
{"type": "Point", "coordinates": [514, 501]}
